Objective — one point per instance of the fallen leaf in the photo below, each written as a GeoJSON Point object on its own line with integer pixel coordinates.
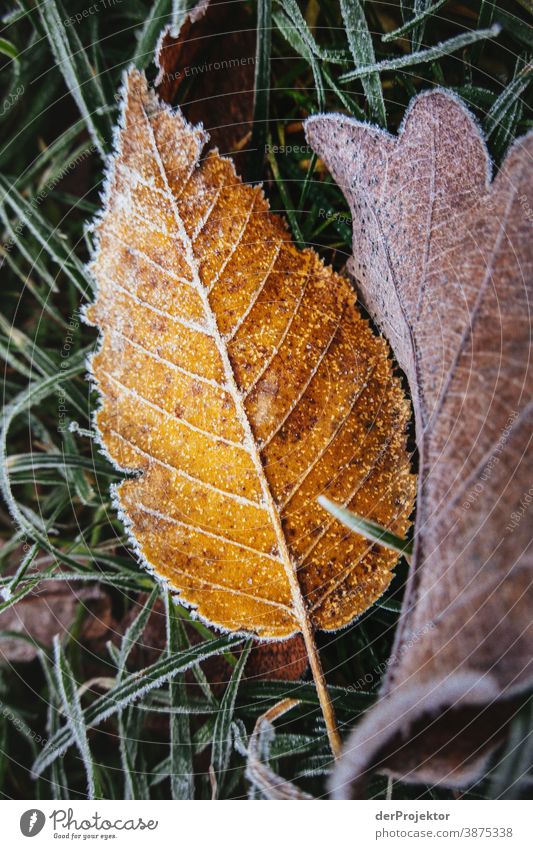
{"type": "Point", "coordinates": [48, 610]}
{"type": "Point", "coordinates": [443, 260]}
{"type": "Point", "coordinates": [209, 70]}
{"type": "Point", "coordinates": [237, 374]}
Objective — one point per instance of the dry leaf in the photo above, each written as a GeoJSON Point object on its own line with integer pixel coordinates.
{"type": "Point", "coordinates": [209, 69]}
{"type": "Point", "coordinates": [238, 375]}
{"type": "Point", "coordinates": [48, 610]}
{"type": "Point", "coordinates": [444, 263]}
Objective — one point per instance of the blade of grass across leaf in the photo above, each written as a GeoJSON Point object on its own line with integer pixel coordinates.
{"type": "Point", "coordinates": [114, 579]}
{"type": "Point", "coordinates": [368, 529]}
{"type": "Point", "coordinates": [29, 462]}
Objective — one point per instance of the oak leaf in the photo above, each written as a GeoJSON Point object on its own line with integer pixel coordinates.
{"type": "Point", "coordinates": [443, 260]}
{"type": "Point", "coordinates": [239, 377]}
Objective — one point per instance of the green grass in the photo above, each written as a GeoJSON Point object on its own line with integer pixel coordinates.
{"type": "Point", "coordinates": [150, 733]}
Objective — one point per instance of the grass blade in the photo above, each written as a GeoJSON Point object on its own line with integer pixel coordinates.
{"type": "Point", "coordinates": [181, 762]}
{"type": "Point", "coordinates": [366, 528]}
{"type": "Point", "coordinates": [445, 48]}
{"type": "Point", "coordinates": [8, 49]}
{"type": "Point", "coordinates": [292, 35]}
{"type": "Point", "coordinates": [506, 109]}
{"type": "Point", "coordinates": [413, 23]}
{"type": "Point", "coordinates": [77, 72]}
{"type": "Point", "coordinates": [262, 776]}
{"type": "Point", "coordinates": [222, 737]}
{"type": "Point", "coordinates": [516, 759]}
{"type": "Point", "coordinates": [362, 50]}
{"type": "Point", "coordinates": [132, 687]}
{"type": "Point", "coordinates": [50, 238]}
{"type": "Point", "coordinates": [261, 86]}
{"type": "Point", "coordinates": [67, 689]}
{"type": "Point", "coordinates": [148, 36]}
{"type": "Point", "coordinates": [179, 8]}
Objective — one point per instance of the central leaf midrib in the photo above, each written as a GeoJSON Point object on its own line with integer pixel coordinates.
{"type": "Point", "coordinates": [299, 608]}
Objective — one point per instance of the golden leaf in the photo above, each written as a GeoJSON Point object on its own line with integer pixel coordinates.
{"type": "Point", "coordinates": [237, 373]}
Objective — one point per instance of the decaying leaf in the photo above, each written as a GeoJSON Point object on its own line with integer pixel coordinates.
{"type": "Point", "coordinates": [237, 374]}
{"type": "Point", "coordinates": [48, 610]}
{"type": "Point", "coordinates": [444, 263]}
{"type": "Point", "coordinates": [208, 68]}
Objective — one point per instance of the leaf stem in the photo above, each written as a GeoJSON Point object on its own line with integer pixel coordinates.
{"type": "Point", "coordinates": [326, 704]}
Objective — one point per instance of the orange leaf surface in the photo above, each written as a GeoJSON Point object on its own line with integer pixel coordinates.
{"type": "Point", "coordinates": [237, 374]}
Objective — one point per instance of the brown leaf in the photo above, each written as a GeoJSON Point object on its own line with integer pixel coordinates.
{"type": "Point", "coordinates": [238, 375]}
{"type": "Point", "coordinates": [48, 610]}
{"type": "Point", "coordinates": [444, 263]}
{"type": "Point", "coordinates": [209, 69]}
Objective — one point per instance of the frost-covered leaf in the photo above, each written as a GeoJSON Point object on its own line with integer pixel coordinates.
{"type": "Point", "coordinates": [237, 374]}
{"type": "Point", "coordinates": [443, 260]}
